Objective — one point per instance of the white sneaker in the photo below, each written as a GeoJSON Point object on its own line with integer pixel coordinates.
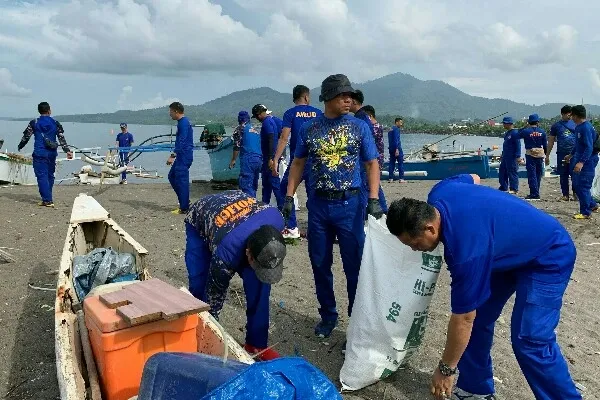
{"type": "Point", "coordinates": [459, 394]}
{"type": "Point", "coordinates": [291, 233]}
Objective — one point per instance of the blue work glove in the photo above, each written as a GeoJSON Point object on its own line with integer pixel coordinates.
{"type": "Point", "coordinates": [288, 206]}
{"type": "Point", "coordinates": [374, 208]}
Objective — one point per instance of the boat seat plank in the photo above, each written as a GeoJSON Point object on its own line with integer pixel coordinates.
{"type": "Point", "coordinates": [152, 300]}
{"type": "Point", "coordinates": [87, 209]}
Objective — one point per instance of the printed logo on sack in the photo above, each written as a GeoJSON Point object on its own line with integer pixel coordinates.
{"type": "Point", "coordinates": [421, 288]}
{"type": "Point", "coordinates": [432, 263]}
{"type": "Point", "coordinates": [417, 330]}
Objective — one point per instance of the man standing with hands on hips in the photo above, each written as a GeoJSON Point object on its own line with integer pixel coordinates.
{"type": "Point", "coordinates": [334, 144]}
{"type": "Point", "coordinates": [563, 133]}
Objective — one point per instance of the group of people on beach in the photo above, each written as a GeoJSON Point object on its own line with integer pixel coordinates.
{"type": "Point", "coordinates": [489, 259]}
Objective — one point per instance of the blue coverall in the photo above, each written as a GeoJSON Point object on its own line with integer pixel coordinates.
{"type": "Point", "coordinates": [269, 136]}
{"type": "Point", "coordinates": [294, 118]}
{"type": "Point", "coordinates": [490, 259]}
{"type": "Point", "coordinates": [564, 132]}
{"type": "Point", "coordinates": [333, 149]}
{"type": "Point", "coordinates": [508, 173]}
{"type": "Point", "coordinates": [394, 143]}
{"type": "Point", "coordinates": [44, 158]}
{"type": "Point", "coordinates": [125, 139]}
{"type": "Point", "coordinates": [217, 230]}
{"type": "Point", "coordinates": [247, 140]}
{"type": "Point", "coordinates": [583, 152]}
{"type": "Point", "coordinates": [179, 175]}
{"type": "Point", "coordinates": [534, 138]}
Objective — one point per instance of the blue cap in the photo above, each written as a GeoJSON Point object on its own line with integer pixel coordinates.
{"type": "Point", "coordinates": [243, 117]}
{"type": "Point", "coordinates": [533, 118]}
{"type": "Point", "coordinates": [508, 120]}
{"type": "Point", "coordinates": [123, 125]}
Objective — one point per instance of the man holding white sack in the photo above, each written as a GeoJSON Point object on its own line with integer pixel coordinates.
{"type": "Point", "coordinates": [490, 257]}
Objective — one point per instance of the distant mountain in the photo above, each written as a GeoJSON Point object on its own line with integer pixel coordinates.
{"type": "Point", "coordinates": [396, 94]}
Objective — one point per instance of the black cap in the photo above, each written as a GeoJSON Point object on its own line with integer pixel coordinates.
{"type": "Point", "coordinates": [259, 109]}
{"type": "Point", "coordinates": [268, 250]}
{"type": "Point", "coordinates": [335, 85]}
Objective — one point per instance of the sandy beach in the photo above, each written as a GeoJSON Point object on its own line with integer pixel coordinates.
{"type": "Point", "coordinates": [35, 236]}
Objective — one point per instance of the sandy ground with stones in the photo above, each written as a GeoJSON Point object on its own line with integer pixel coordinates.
{"type": "Point", "coordinates": [34, 236]}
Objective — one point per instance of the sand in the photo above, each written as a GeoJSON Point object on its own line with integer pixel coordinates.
{"type": "Point", "coordinates": [34, 236]}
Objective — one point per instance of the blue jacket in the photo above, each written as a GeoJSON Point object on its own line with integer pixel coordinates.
{"type": "Point", "coordinates": [394, 140]}
{"type": "Point", "coordinates": [48, 127]}
{"type": "Point", "coordinates": [184, 139]}
{"type": "Point", "coordinates": [511, 148]}
{"type": "Point", "coordinates": [584, 143]}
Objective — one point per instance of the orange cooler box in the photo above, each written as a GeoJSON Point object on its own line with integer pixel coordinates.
{"type": "Point", "coordinates": [121, 350]}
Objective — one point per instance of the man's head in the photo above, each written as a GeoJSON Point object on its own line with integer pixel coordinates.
{"type": "Point", "coordinates": [123, 127]}
{"type": "Point", "coordinates": [266, 251]}
{"type": "Point", "coordinates": [370, 111]}
{"type": "Point", "coordinates": [260, 112]}
{"type": "Point", "coordinates": [301, 94]}
{"type": "Point", "coordinates": [533, 120]}
{"type": "Point", "coordinates": [44, 108]}
{"type": "Point", "coordinates": [335, 92]}
{"type": "Point", "coordinates": [176, 110]}
{"type": "Point", "coordinates": [565, 112]}
{"type": "Point", "coordinates": [416, 223]}
{"type": "Point", "coordinates": [508, 122]}
{"type": "Point", "coordinates": [358, 98]}
{"type": "Point", "coordinates": [243, 117]}
{"type": "Point", "coordinates": [578, 113]}
{"type": "Point", "coordinates": [399, 122]}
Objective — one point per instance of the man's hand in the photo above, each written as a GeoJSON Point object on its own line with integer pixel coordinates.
{"type": "Point", "coordinates": [567, 158]}
{"type": "Point", "coordinates": [232, 164]}
{"type": "Point", "coordinates": [548, 160]}
{"type": "Point", "coordinates": [374, 208]}
{"type": "Point", "coordinates": [171, 160]}
{"type": "Point", "coordinates": [520, 161]}
{"type": "Point", "coordinates": [441, 386]}
{"type": "Point", "coordinates": [288, 206]}
{"type": "Point", "coordinates": [578, 167]}
{"type": "Point", "coordinates": [397, 152]}
{"type": "Point", "coordinates": [69, 155]}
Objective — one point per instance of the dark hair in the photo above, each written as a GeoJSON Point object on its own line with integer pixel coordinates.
{"type": "Point", "coordinates": [398, 119]}
{"type": "Point", "coordinates": [44, 107]}
{"type": "Point", "coordinates": [566, 109]}
{"type": "Point", "coordinates": [358, 96]}
{"type": "Point", "coordinates": [578, 111]}
{"type": "Point", "coordinates": [536, 123]}
{"type": "Point", "coordinates": [409, 216]}
{"type": "Point", "coordinates": [177, 107]}
{"type": "Point", "coordinates": [369, 110]}
{"type": "Point", "coordinates": [299, 91]}
{"type": "Point", "coordinates": [262, 237]}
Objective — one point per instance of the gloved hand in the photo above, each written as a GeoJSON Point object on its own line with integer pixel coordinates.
{"type": "Point", "coordinates": [19, 147]}
{"type": "Point", "coordinates": [288, 206]}
{"type": "Point", "coordinates": [374, 209]}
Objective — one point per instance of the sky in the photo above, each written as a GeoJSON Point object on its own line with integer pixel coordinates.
{"type": "Point", "coordinates": [89, 56]}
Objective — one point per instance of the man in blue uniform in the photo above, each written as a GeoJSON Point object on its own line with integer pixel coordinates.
{"type": "Point", "coordinates": [293, 119]}
{"type": "Point", "coordinates": [182, 157]}
{"type": "Point", "coordinates": [584, 159]}
{"type": "Point", "coordinates": [124, 139]}
{"type": "Point", "coordinates": [333, 146]}
{"type": "Point", "coordinates": [246, 143]}
{"type": "Point", "coordinates": [508, 172]}
{"type": "Point", "coordinates": [358, 98]}
{"type": "Point", "coordinates": [228, 233]}
{"type": "Point", "coordinates": [269, 135]}
{"type": "Point", "coordinates": [489, 259]}
{"type": "Point", "coordinates": [536, 146]}
{"type": "Point", "coordinates": [395, 150]}
{"type": "Point", "coordinates": [45, 131]}
{"type": "Point", "coordinates": [563, 133]}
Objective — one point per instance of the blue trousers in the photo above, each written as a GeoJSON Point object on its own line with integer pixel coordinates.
{"type": "Point", "coordinates": [271, 184]}
{"type": "Point", "coordinates": [582, 182]}
{"type": "Point", "coordinates": [326, 220]}
{"type": "Point", "coordinates": [536, 313]}
{"type": "Point", "coordinates": [198, 263]}
{"type": "Point", "coordinates": [392, 166]}
{"type": "Point", "coordinates": [292, 223]}
{"type": "Point", "coordinates": [124, 161]}
{"type": "Point", "coordinates": [508, 174]}
{"type": "Point", "coordinates": [179, 177]}
{"type": "Point", "coordinates": [535, 170]}
{"type": "Point", "coordinates": [44, 168]}
{"type": "Point", "coordinates": [564, 172]}
{"type": "Point", "coordinates": [250, 167]}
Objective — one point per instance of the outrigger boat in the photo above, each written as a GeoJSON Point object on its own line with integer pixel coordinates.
{"type": "Point", "coordinates": [15, 168]}
{"type": "Point", "coordinates": [91, 227]}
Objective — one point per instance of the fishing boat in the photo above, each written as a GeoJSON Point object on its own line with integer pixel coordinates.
{"type": "Point", "coordinates": [91, 227]}
{"type": "Point", "coordinates": [16, 169]}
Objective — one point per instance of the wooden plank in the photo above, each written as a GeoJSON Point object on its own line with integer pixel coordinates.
{"type": "Point", "coordinates": [152, 300]}
{"type": "Point", "coordinates": [87, 209]}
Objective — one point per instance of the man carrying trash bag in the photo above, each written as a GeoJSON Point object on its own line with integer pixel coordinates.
{"type": "Point", "coordinates": [228, 233]}
{"type": "Point", "coordinates": [490, 258]}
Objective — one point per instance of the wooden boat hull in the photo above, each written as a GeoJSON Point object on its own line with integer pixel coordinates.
{"type": "Point", "coordinates": [15, 169]}
{"type": "Point", "coordinates": [90, 227]}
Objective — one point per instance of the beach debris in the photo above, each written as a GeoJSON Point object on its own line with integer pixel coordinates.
{"type": "Point", "coordinates": [593, 244]}
{"type": "Point", "coordinates": [262, 351]}
{"type": "Point", "coordinates": [41, 288]}
{"type": "Point", "coordinates": [6, 257]}
{"type": "Point", "coordinates": [496, 379]}
{"type": "Point", "coordinates": [580, 387]}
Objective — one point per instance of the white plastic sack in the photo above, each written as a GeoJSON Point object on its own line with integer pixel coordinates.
{"type": "Point", "coordinates": [283, 166]}
{"type": "Point", "coordinates": [395, 287]}
{"type": "Point", "coordinates": [596, 184]}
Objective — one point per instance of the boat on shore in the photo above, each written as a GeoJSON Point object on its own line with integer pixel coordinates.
{"type": "Point", "coordinates": [16, 169]}
{"type": "Point", "coordinates": [91, 227]}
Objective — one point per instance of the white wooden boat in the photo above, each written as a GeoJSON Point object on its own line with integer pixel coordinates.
{"type": "Point", "coordinates": [91, 227]}
{"type": "Point", "coordinates": [16, 169]}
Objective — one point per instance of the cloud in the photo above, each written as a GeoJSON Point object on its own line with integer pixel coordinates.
{"type": "Point", "coordinates": [9, 88]}
{"type": "Point", "coordinates": [156, 102]}
{"type": "Point", "coordinates": [123, 97]}
{"type": "Point", "coordinates": [595, 77]}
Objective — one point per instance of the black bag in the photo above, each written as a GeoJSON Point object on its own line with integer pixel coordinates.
{"type": "Point", "coordinates": [47, 142]}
